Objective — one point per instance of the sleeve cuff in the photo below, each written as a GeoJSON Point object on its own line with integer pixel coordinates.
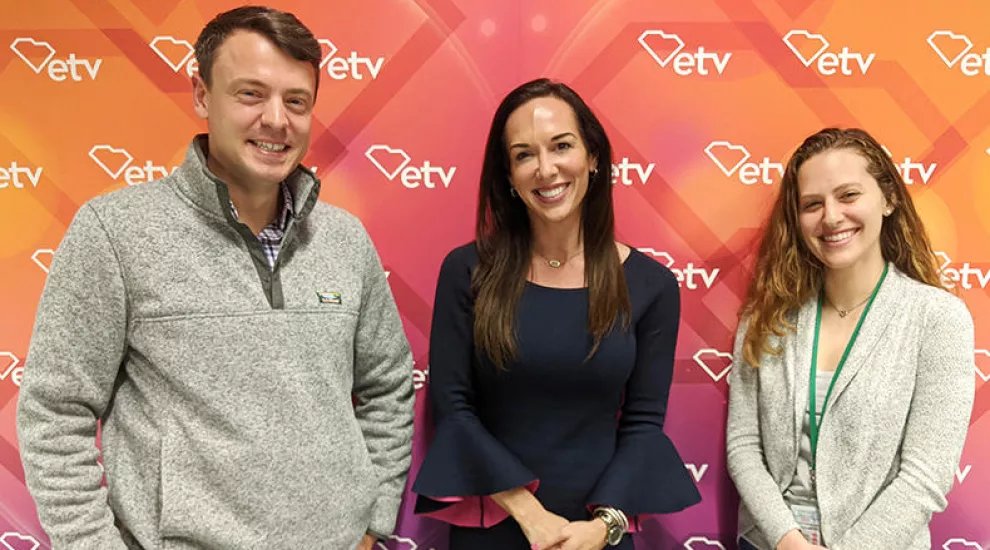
{"type": "Point", "coordinates": [646, 476]}
{"type": "Point", "coordinates": [383, 516]}
{"type": "Point", "coordinates": [463, 467]}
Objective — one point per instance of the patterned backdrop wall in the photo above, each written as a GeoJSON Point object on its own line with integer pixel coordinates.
{"type": "Point", "coordinates": [703, 100]}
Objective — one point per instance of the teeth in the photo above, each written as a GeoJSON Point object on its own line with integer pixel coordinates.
{"type": "Point", "coordinates": [273, 147]}
{"type": "Point", "coordinates": [551, 193]}
{"type": "Point", "coordinates": [839, 236]}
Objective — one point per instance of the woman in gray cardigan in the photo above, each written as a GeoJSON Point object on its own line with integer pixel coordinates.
{"type": "Point", "coordinates": [852, 383]}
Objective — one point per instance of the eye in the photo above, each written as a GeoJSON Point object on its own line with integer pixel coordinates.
{"type": "Point", "coordinates": [850, 195]}
{"type": "Point", "coordinates": [808, 206]}
{"type": "Point", "coordinates": [522, 155]}
{"type": "Point", "coordinates": [563, 145]}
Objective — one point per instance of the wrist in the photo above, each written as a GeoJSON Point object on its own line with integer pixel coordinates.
{"type": "Point", "coordinates": [521, 504]}
{"type": "Point", "coordinates": [616, 524]}
{"type": "Point", "coordinates": [602, 526]}
{"type": "Point", "coordinates": [792, 540]}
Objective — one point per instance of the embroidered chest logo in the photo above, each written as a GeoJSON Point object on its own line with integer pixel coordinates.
{"type": "Point", "coordinates": [329, 297]}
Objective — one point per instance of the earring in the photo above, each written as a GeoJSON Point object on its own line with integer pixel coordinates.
{"type": "Point", "coordinates": [888, 212]}
{"type": "Point", "coordinates": [512, 191]}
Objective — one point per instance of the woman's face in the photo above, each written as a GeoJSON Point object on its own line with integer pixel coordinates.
{"type": "Point", "coordinates": [548, 160]}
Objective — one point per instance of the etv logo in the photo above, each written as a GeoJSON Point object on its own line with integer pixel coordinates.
{"type": "Point", "coordinates": [961, 544]}
{"type": "Point", "coordinates": [963, 276]}
{"type": "Point", "coordinates": [954, 48]}
{"type": "Point", "coordinates": [118, 161]}
{"type": "Point", "coordinates": [666, 47]}
{"type": "Point", "coordinates": [179, 55]}
{"type": "Point", "coordinates": [687, 274]}
{"type": "Point", "coordinates": [715, 363]}
{"type": "Point", "coordinates": [11, 176]}
{"type": "Point", "coordinates": [392, 162]}
{"type": "Point", "coordinates": [39, 55]}
{"type": "Point", "coordinates": [697, 543]}
{"type": "Point", "coordinates": [621, 172]}
{"type": "Point", "coordinates": [11, 369]}
{"type": "Point", "coordinates": [908, 168]}
{"type": "Point", "coordinates": [731, 158]}
{"type": "Point", "coordinates": [981, 362]}
{"type": "Point", "coordinates": [828, 63]}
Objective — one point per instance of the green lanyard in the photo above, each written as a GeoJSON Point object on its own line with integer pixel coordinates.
{"type": "Point", "coordinates": [812, 394]}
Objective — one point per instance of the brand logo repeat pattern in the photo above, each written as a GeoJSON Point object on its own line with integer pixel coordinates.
{"type": "Point", "coordinates": [703, 110]}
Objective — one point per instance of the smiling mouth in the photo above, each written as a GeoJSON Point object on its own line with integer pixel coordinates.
{"type": "Point", "coordinates": [269, 147]}
{"type": "Point", "coordinates": [552, 192]}
{"type": "Point", "coordinates": [839, 237]}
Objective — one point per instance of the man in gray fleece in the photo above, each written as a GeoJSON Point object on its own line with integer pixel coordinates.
{"type": "Point", "coordinates": [236, 337]}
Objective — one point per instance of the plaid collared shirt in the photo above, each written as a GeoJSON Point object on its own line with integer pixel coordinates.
{"type": "Point", "coordinates": [272, 234]}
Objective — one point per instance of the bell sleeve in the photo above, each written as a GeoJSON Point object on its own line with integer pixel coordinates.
{"type": "Point", "coordinates": [464, 464]}
{"type": "Point", "coordinates": [646, 475]}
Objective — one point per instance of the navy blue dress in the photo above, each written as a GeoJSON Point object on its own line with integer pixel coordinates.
{"type": "Point", "coordinates": [590, 432]}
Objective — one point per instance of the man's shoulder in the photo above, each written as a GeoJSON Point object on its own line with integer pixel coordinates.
{"type": "Point", "coordinates": [133, 201]}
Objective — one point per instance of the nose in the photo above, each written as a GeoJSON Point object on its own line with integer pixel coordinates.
{"type": "Point", "coordinates": [547, 170]}
{"type": "Point", "coordinates": [831, 213]}
{"type": "Point", "coordinates": [273, 115]}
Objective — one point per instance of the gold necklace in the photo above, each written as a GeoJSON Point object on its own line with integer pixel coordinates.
{"type": "Point", "coordinates": [555, 264]}
{"type": "Point", "coordinates": [843, 312]}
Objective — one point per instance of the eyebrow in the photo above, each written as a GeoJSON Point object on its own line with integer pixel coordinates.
{"type": "Point", "coordinates": [839, 188]}
{"type": "Point", "coordinates": [554, 138]}
{"type": "Point", "coordinates": [260, 84]}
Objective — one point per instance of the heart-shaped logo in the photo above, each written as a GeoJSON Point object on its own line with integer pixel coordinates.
{"type": "Point", "coordinates": [112, 161]}
{"type": "Point", "coordinates": [8, 362]}
{"type": "Point", "coordinates": [397, 543]}
{"type": "Point", "coordinates": [961, 544]}
{"type": "Point", "coordinates": [173, 51]}
{"type": "Point", "coordinates": [661, 46]}
{"type": "Point", "coordinates": [697, 543]}
{"type": "Point", "coordinates": [982, 359]}
{"type": "Point", "coordinates": [725, 154]}
{"type": "Point", "coordinates": [944, 258]}
{"type": "Point", "coordinates": [328, 49]}
{"type": "Point", "coordinates": [665, 259]}
{"type": "Point", "coordinates": [17, 541]}
{"type": "Point", "coordinates": [389, 161]}
{"type": "Point", "coordinates": [803, 46]}
{"type": "Point", "coordinates": [29, 49]}
{"type": "Point", "coordinates": [949, 45]}
{"type": "Point", "coordinates": [43, 258]}
{"type": "Point", "coordinates": [717, 364]}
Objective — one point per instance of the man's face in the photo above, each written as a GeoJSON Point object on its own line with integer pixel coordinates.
{"type": "Point", "coordinates": [258, 110]}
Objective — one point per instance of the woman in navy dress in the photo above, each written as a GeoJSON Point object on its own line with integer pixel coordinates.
{"type": "Point", "coordinates": [551, 351]}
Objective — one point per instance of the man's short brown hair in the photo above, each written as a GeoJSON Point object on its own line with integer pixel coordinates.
{"type": "Point", "coordinates": [282, 28]}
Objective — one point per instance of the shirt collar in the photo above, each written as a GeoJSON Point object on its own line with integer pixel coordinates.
{"type": "Point", "coordinates": [281, 221]}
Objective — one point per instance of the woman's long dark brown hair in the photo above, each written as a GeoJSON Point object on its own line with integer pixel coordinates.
{"type": "Point", "coordinates": [504, 237]}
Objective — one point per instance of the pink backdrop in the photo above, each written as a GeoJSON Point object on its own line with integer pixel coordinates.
{"type": "Point", "coordinates": [703, 100]}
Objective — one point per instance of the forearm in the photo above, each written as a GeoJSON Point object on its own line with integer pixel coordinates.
{"type": "Point", "coordinates": [60, 464]}
{"type": "Point", "coordinates": [519, 503]}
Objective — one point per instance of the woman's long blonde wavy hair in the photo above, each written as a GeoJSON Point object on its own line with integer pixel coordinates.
{"type": "Point", "coordinates": [787, 274]}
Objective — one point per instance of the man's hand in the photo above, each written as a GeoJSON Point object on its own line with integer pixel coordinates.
{"type": "Point", "coordinates": [367, 543]}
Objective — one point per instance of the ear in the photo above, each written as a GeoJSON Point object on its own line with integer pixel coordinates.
{"type": "Point", "coordinates": [201, 97]}
{"type": "Point", "coordinates": [593, 162]}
